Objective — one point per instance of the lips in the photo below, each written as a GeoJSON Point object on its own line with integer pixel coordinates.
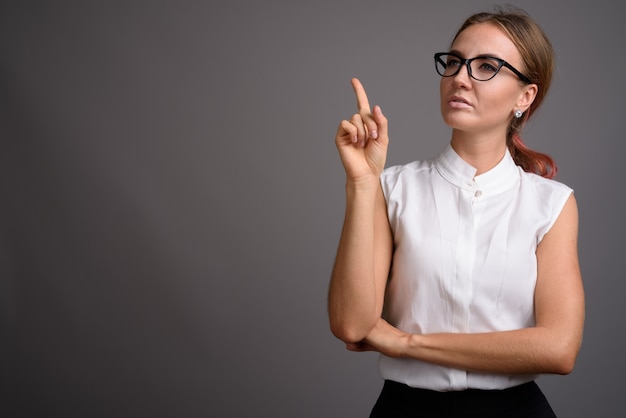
{"type": "Point", "coordinates": [459, 102]}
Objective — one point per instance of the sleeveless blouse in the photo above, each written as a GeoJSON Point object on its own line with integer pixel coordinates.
{"type": "Point", "coordinates": [464, 257]}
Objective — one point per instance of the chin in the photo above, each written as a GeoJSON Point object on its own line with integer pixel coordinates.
{"type": "Point", "coordinates": [458, 121]}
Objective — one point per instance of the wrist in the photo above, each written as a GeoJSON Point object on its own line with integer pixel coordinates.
{"type": "Point", "coordinates": [364, 183]}
{"type": "Point", "coordinates": [412, 344]}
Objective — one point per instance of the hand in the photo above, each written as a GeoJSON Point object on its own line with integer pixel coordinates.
{"type": "Point", "coordinates": [362, 141]}
{"type": "Point", "coordinates": [384, 338]}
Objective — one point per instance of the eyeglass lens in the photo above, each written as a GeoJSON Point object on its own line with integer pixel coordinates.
{"type": "Point", "coordinates": [482, 69]}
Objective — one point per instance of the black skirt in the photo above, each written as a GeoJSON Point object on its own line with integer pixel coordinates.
{"type": "Point", "coordinates": [398, 400]}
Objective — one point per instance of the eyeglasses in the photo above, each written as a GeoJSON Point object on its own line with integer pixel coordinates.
{"type": "Point", "coordinates": [480, 68]}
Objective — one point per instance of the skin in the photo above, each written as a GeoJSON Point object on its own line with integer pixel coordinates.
{"type": "Point", "coordinates": [365, 249]}
{"type": "Point", "coordinates": [363, 259]}
{"type": "Point", "coordinates": [479, 128]}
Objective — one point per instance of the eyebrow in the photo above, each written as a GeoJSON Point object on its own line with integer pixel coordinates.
{"type": "Point", "coordinates": [457, 52]}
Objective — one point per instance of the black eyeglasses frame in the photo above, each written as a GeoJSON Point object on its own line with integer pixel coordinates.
{"type": "Point", "coordinates": [468, 61]}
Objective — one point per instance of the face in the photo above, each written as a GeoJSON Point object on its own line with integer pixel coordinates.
{"type": "Point", "coordinates": [484, 106]}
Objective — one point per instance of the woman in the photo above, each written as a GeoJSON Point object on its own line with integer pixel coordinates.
{"type": "Point", "coordinates": [470, 258]}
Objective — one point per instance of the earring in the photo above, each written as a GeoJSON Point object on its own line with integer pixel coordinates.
{"type": "Point", "coordinates": [518, 113]}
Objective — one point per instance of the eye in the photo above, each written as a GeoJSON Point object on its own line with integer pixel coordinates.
{"type": "Point", "coordinates": [452, 61]}
{"type": "Point", "coordinates": [488, 67]}
{"type": "Point", "coordinates": [483, 68]}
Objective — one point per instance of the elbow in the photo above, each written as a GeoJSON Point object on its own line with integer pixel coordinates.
{"type": "Point", "coordinates": [564, 359]}
{"type": "Point", "coordinates": [565, 364]}
{"type": "Point", "coordinates": [349, 333]}
{"type": "Point", "coordinates": [346, 334]}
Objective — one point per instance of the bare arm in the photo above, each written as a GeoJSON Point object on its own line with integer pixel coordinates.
{"type": "Point", "coordinates": [361, 267]}
{"type": "Point", "coordinates": [549, 347]}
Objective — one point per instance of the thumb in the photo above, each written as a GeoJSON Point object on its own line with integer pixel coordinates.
{"type": "Point", "coordinates": [382, 123]}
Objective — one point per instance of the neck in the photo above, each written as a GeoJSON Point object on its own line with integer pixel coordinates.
{"type": "Point", "coordinates": [482, 152]}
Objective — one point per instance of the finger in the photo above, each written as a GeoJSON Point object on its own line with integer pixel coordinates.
{"type": "Point", "coordinates": [354, 346]}
{"type": "Point", "coordinates": [381, 123]}
{"type": "Point", "coordinates": [359, 347]}
{"type": "Point", "coordinates": [361, 129]}
{"type": "Point", "coordinates": [364, 108]}
{"type": "Point", "coordinates": [362, 102]}
{"type": "Point", "coordinates": [370, 124]}
{"type": "Point", "coordinates": [347, 129]}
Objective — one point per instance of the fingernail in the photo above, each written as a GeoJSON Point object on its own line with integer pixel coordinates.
{"type": "Point", "coordinates": [354, 139]}
{"type": "Point", "coordinates": [374, 134]}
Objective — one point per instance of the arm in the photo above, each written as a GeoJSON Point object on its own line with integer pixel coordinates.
{"type": "Point", "coordinates": [363, 258]}
{"type": "Point", "coordinates": [359, 277]}
{"type": "Point", "coordinates": [549, 347]}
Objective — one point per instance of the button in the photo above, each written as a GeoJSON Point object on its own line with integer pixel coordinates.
{"type": "Point", "coordinates": [478, 193]}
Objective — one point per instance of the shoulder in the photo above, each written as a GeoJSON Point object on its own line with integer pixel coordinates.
{"type": "Point", "coordinates": [544, 198]}
{"type": "Point", "coordinates": [544, 189]}
{"type": "Point", "coordinates": [412, 170]}
{"type": "Point", "coordinates": [551, 193]}
{"type": "Point", "coordinates": [542, 184]}
{"type": "Point", "coordinates": [395, 179]}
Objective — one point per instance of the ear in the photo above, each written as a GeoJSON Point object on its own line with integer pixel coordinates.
{"type": "Point", "coordinates": [526, 97]}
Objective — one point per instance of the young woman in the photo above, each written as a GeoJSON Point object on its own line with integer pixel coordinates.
{"type": "Point", "coordinates": [462, 271]}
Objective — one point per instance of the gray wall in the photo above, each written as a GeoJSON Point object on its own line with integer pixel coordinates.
{"type": "Point", "coordinates": [171, 197]}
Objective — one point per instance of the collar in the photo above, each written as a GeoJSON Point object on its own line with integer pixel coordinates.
{"type": "Point", "coordinates": [502, 177]}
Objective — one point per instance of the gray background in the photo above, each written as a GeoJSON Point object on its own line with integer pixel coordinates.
{"type": "Point", "coordinates": [171, 197]}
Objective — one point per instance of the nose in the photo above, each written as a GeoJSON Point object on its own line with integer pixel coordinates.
{"type": "Point", "coordinates": [462, 78]}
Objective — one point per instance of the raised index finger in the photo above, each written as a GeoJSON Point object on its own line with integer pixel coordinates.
{"type": "Point", "coordinates": [361, 97]}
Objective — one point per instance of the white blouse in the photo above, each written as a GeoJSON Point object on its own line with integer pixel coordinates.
{"type": "Point", "coordinates": [464, 258]}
